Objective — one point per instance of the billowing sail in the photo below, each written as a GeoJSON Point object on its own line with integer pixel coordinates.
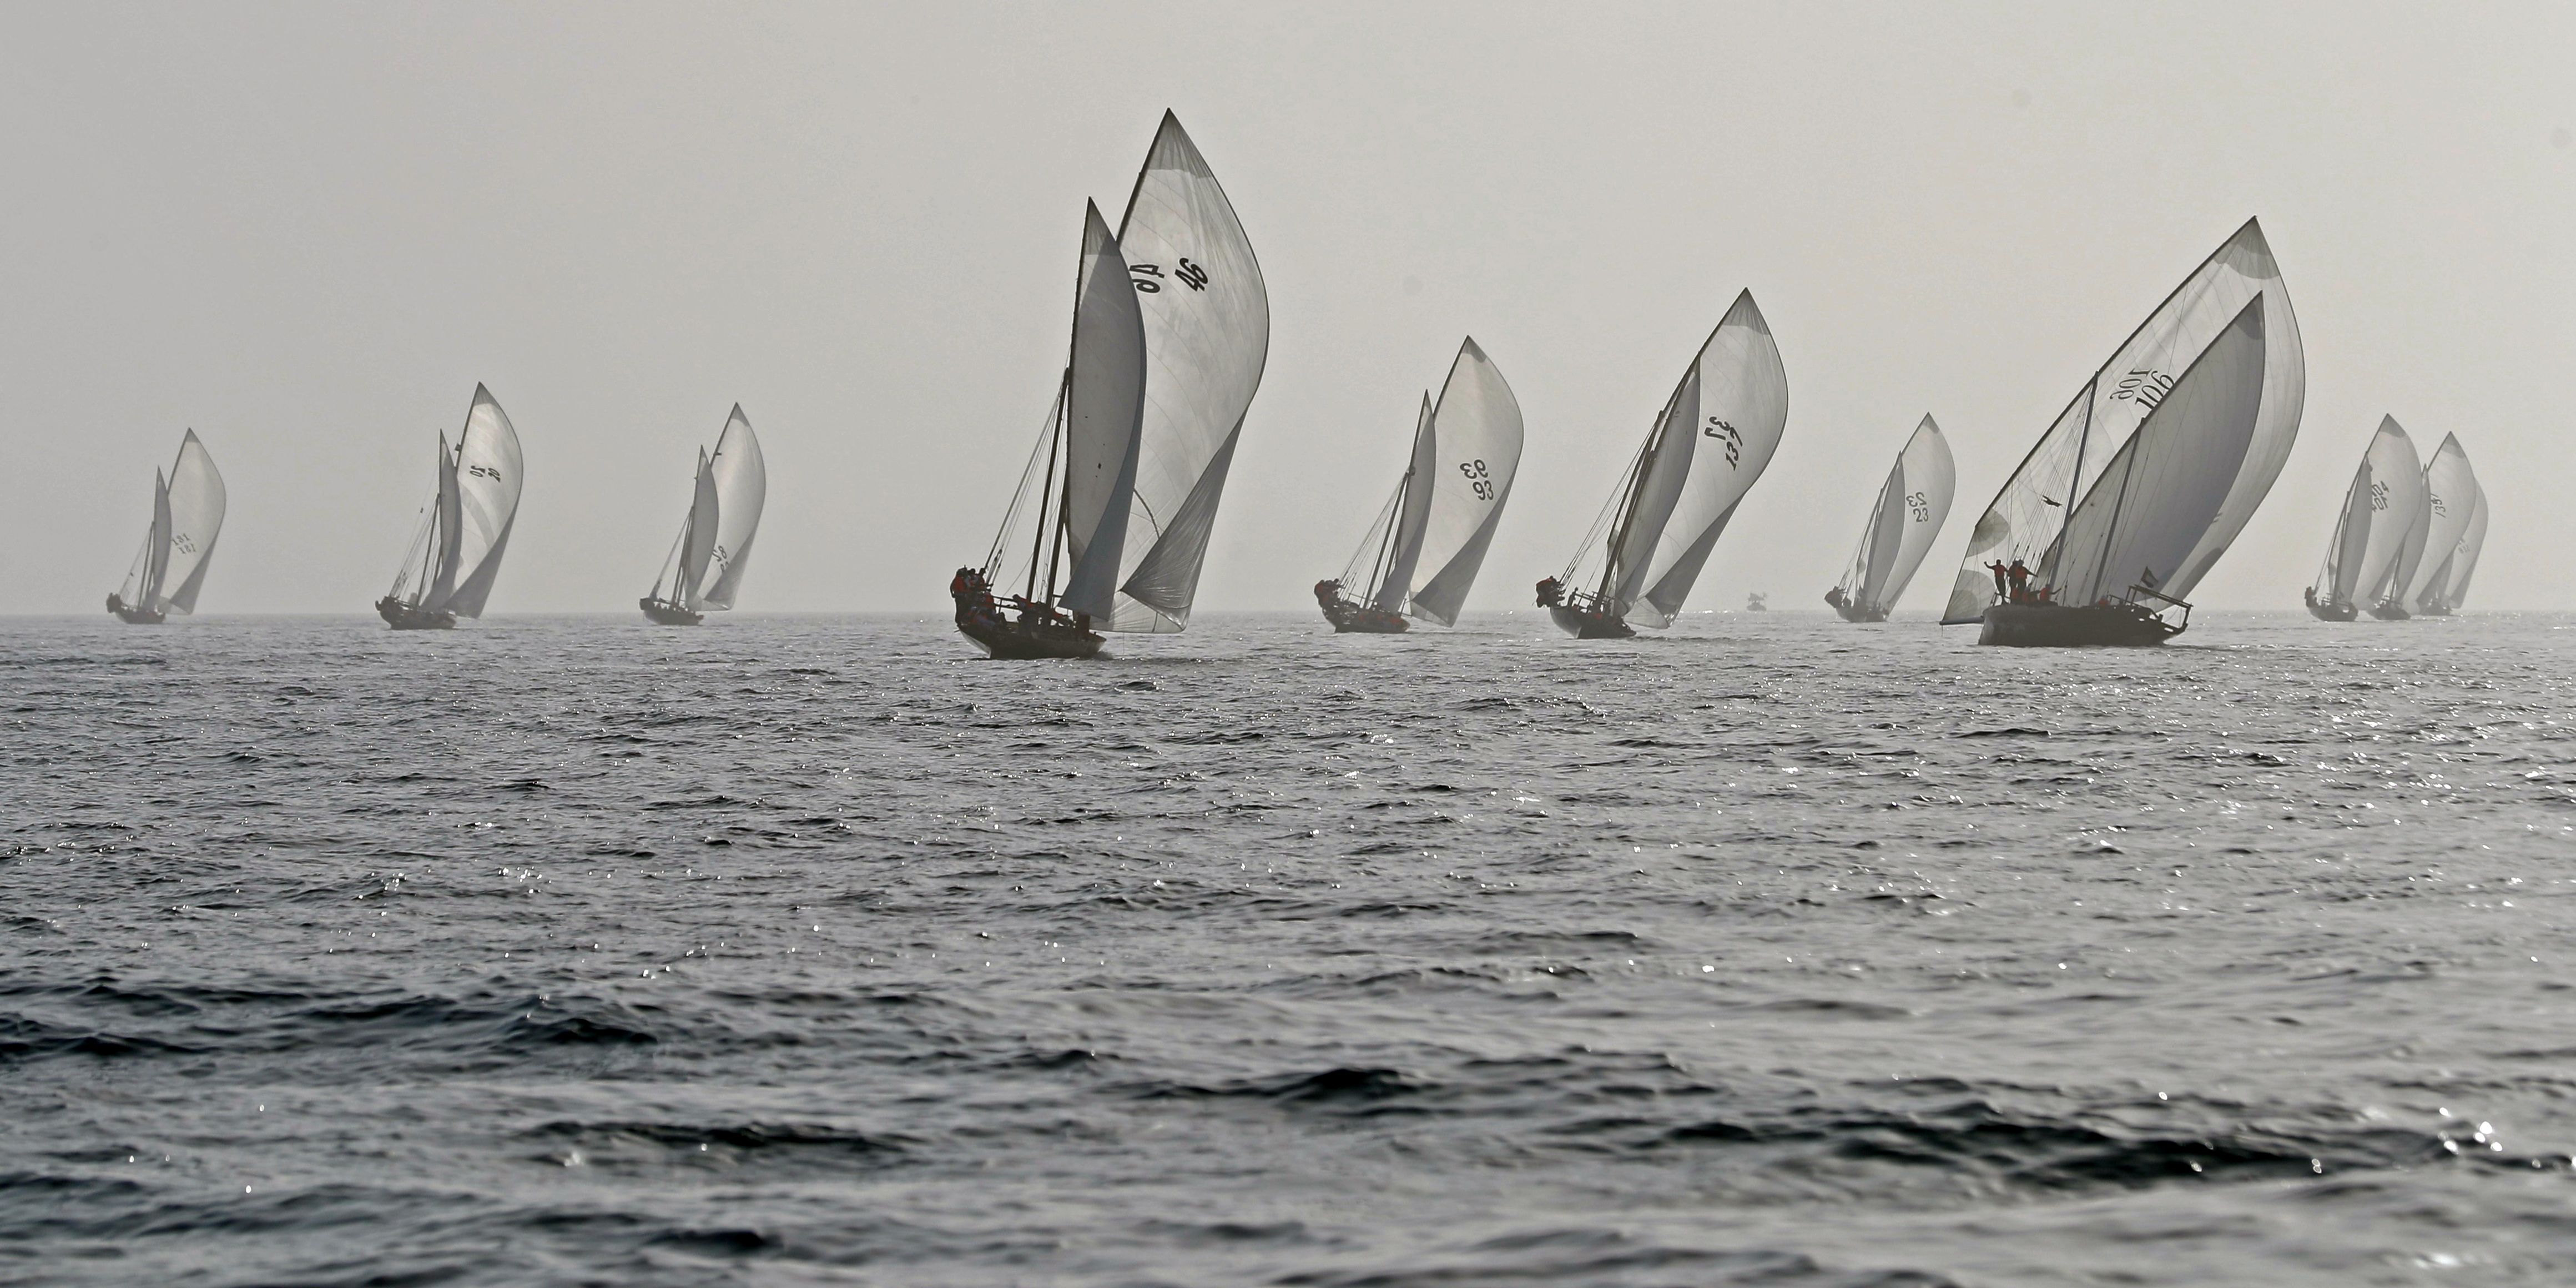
{"type": "Point", "coordinates": [697, 537]}
{"type": "Point", "coordinates": [2202, 513]}
{"type": "Point", "coordinates": [196, 518]}
{"type": "Point", "coordinates": [478, 501]}
{"type": "Point", "coordinates": [1206, 318]}
{"type": "Point", "coordinates": [2143, 516]}
{"type": "Point", "coordinates": [2464, 556]}
{"type": "Point", "coordinates": [2378, 508]}
{"type": "Point", "coordinates": [2450, 498]}
{"type": "Point", "coordinates": [156, 542]}
{"type": "Point", "coordinates": [1719, 434]}
{"type": "Point", "coordinates": [1104, 407]}
{"type": "Point", "coordinates": [1476, 429]}
{"type": "Point", "coordinates": [1912, 505]}
{"type": "Point", "coordinates": [1412, 515]}
{"type": "Point", "coordinates": [741, 479]}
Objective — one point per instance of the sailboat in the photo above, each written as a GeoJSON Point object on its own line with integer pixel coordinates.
{"type": "Point", "coordinates": [724, 515]}
{"type": "Point", "coordinates": [1466, 451]}
{"type": "Point", "coordinates": [2451, 584]}
{"type": "Point", "coordinates": [2442, 517]}
{"type": "Point", "coordinates": [456, 550]}
{"type": "Point", "coordinates": [1912, 505]}
{"type": "Point", "coordinates": [2380, 510]}
{"type": "Point", "coordinates": [2151, 471]}
{"type": "Point", "coordinates": [1171, 327]}
{"type": "Point", "coordinates": [1708, 445]}
{"type": "Point", "coordinates": [187, 515]}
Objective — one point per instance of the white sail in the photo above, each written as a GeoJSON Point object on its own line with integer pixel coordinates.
{"type": "Point", "coordinates": [479, 500]}
{"type": "Point", "coordinates": [1206, 317]}
{"type": "Point", "coordinates": [2143, 516]}
{"type": "Point", "coordinates": [2464, 556]}
{"type": "Point", "coordinates": [1476, 434]}
{"type": "Point", "coordinates": [1413, 516]}
{"type": "Point", "coordinates": [1104, 408]}
{"type": "Point", "coordinates": [1912, 505]}
{"type": "Point", "coordinates": [739, 476]}
{"type": "Point", "coordinates": [196, 519]}
{"type": "Point", "coordinates": [2031, 513]}
{"type": "Point", "coordinates": [1730, 412]}
{"type": "Point", "coordinates": [2450, 498]}
{"type": "Point", "coordinates": [156, 546]}
{"type": "Point", "coordinates": [2386, 493]}
{"type": "Point", "coordinates": [697, 537]}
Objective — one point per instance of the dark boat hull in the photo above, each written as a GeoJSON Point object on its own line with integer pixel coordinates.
{"type": "Point", "coordinates": [665, 613]}
{"type": "Point", "coordinates": [2116, 625]}
{"type": "Point", "coordinates": [2334, 612]}
{"type": "Point", "coordinates": [1009, 641]}
{"type": "Point", "coordinates": [1360, 619]}
{"type": "Point", "coordinates": [1859, 613]}
{"type": "Point", "coordinates": [2389, 613]}
{"type": "Point", "coordinates": [133, 616]}
{"type": "Point", "coordinates": [1586, 624]}
{"type": "Point", "coordinates": [404, 617]}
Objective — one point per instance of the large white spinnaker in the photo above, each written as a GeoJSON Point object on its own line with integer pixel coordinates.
{"type": "Point", "coordinates": [1476, 432]}
{"type": "Point", "coordinates": [1206, 318]}
{"type": "Point", "coordinates": [478, 501]}
{"type": "Point", "coordinates": [2188, 504]}
{"type": "Point", "coordinates": [1718, 436]}
{"type": "Point", "coordinates": [196, 493]}
{"type": "Point", "coordinates": [2378, 508]}
{"type": "Point", "coordinates": [1912, 505]}
{"type": "Point", "coordinates": [2450, 500]}
{"type": "Point", "coordinates": [738, 484]}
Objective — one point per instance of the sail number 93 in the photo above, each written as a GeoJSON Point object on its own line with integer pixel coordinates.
{"type": "Point", "coordinates": [1479, 480]}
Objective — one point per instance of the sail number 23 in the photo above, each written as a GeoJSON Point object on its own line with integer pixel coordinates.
{"type": "Point", "coordinates": [1478, 480]}
{"type": "Point", "coordinates": [1716, 428]}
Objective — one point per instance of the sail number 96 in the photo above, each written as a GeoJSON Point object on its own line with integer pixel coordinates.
{"type": "Point", "coordinates": [1479, 480]}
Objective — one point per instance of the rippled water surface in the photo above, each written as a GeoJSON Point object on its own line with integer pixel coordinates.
{"type": "Point", "coordinates": [1772, 950]}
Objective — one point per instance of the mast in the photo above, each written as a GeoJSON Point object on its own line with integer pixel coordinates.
{"type": "Point", "coordinates": [1037, 539]}
{"type": "Point", "coordinates": [1063, 502]}
{"type": "Point", "coordinates": [1639, 471]}
{"type": "Point", "coordinates": [1384, 563]}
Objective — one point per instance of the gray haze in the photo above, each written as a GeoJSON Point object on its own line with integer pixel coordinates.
{"type": "Point", "coordinates": [308, 230]}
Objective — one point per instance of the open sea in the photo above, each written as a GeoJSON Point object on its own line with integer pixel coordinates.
{"type": "Point", "coordinates": [1771, 950]}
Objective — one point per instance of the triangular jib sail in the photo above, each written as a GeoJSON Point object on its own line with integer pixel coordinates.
{"type": "Point", "coordinates": [1911, 507]}
{"type": "Point", "coordinates": [2099, 505]}
{"type": "Point", "coordinates": [2378, 509]}
{"type": "Point", "coordinates": [2422, 581]}
{"type": "Point", "coordinates": [707, 559]}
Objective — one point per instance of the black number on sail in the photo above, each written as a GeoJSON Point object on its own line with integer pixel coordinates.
{"type": "Point", "coordinates": [2378, 496]}
{"type": "Point", "coordinates": [1734, 440]}
{"type": "Point", "coordinates": [186, 544]}
{"type": "Point", "coordinates": [1478, 480]}
{"type": "Point", "coordinates": [1192, 276]}
{"type": "Point", "coordinates": [483, 472]}
{"type": "Point", "coordinates": [2146, 387]}
{"type": "Point", "coordinates": [1921, 505]}
{"type": "Point", "coordinates": [1147, 277]}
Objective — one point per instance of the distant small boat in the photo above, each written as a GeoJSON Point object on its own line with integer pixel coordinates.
{"type": "Point", "coordinates": [2147, 476]}
{"type": "Point", "coordinates": [724, 515]}
{"type": "Point", "coordinates": [1912, 505]}
{"type": "Point", "coordinates": [1757, 602]}
{"type": "Point", "coordinates": [1171, 329]}
{"type": "Point", "coordinates": [2449, 501]}
{"type": "Point", "coordinates": [187, 515]}
{"type": "Point", "coordinates": [1712, 440]}
{"type": "Point", "coordinates": [456, 550]}
{"type": "Point", "coordinates": [2380, 510]}
{"type": "Point", "coordinates": [1466, 451]}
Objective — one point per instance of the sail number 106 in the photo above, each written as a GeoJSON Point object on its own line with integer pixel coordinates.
{"type": "Point", "coordinates": [1478, 480]}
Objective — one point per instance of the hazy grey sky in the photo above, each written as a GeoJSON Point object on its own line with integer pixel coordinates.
{"type": "Point", "coordinates": [308, 230]}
